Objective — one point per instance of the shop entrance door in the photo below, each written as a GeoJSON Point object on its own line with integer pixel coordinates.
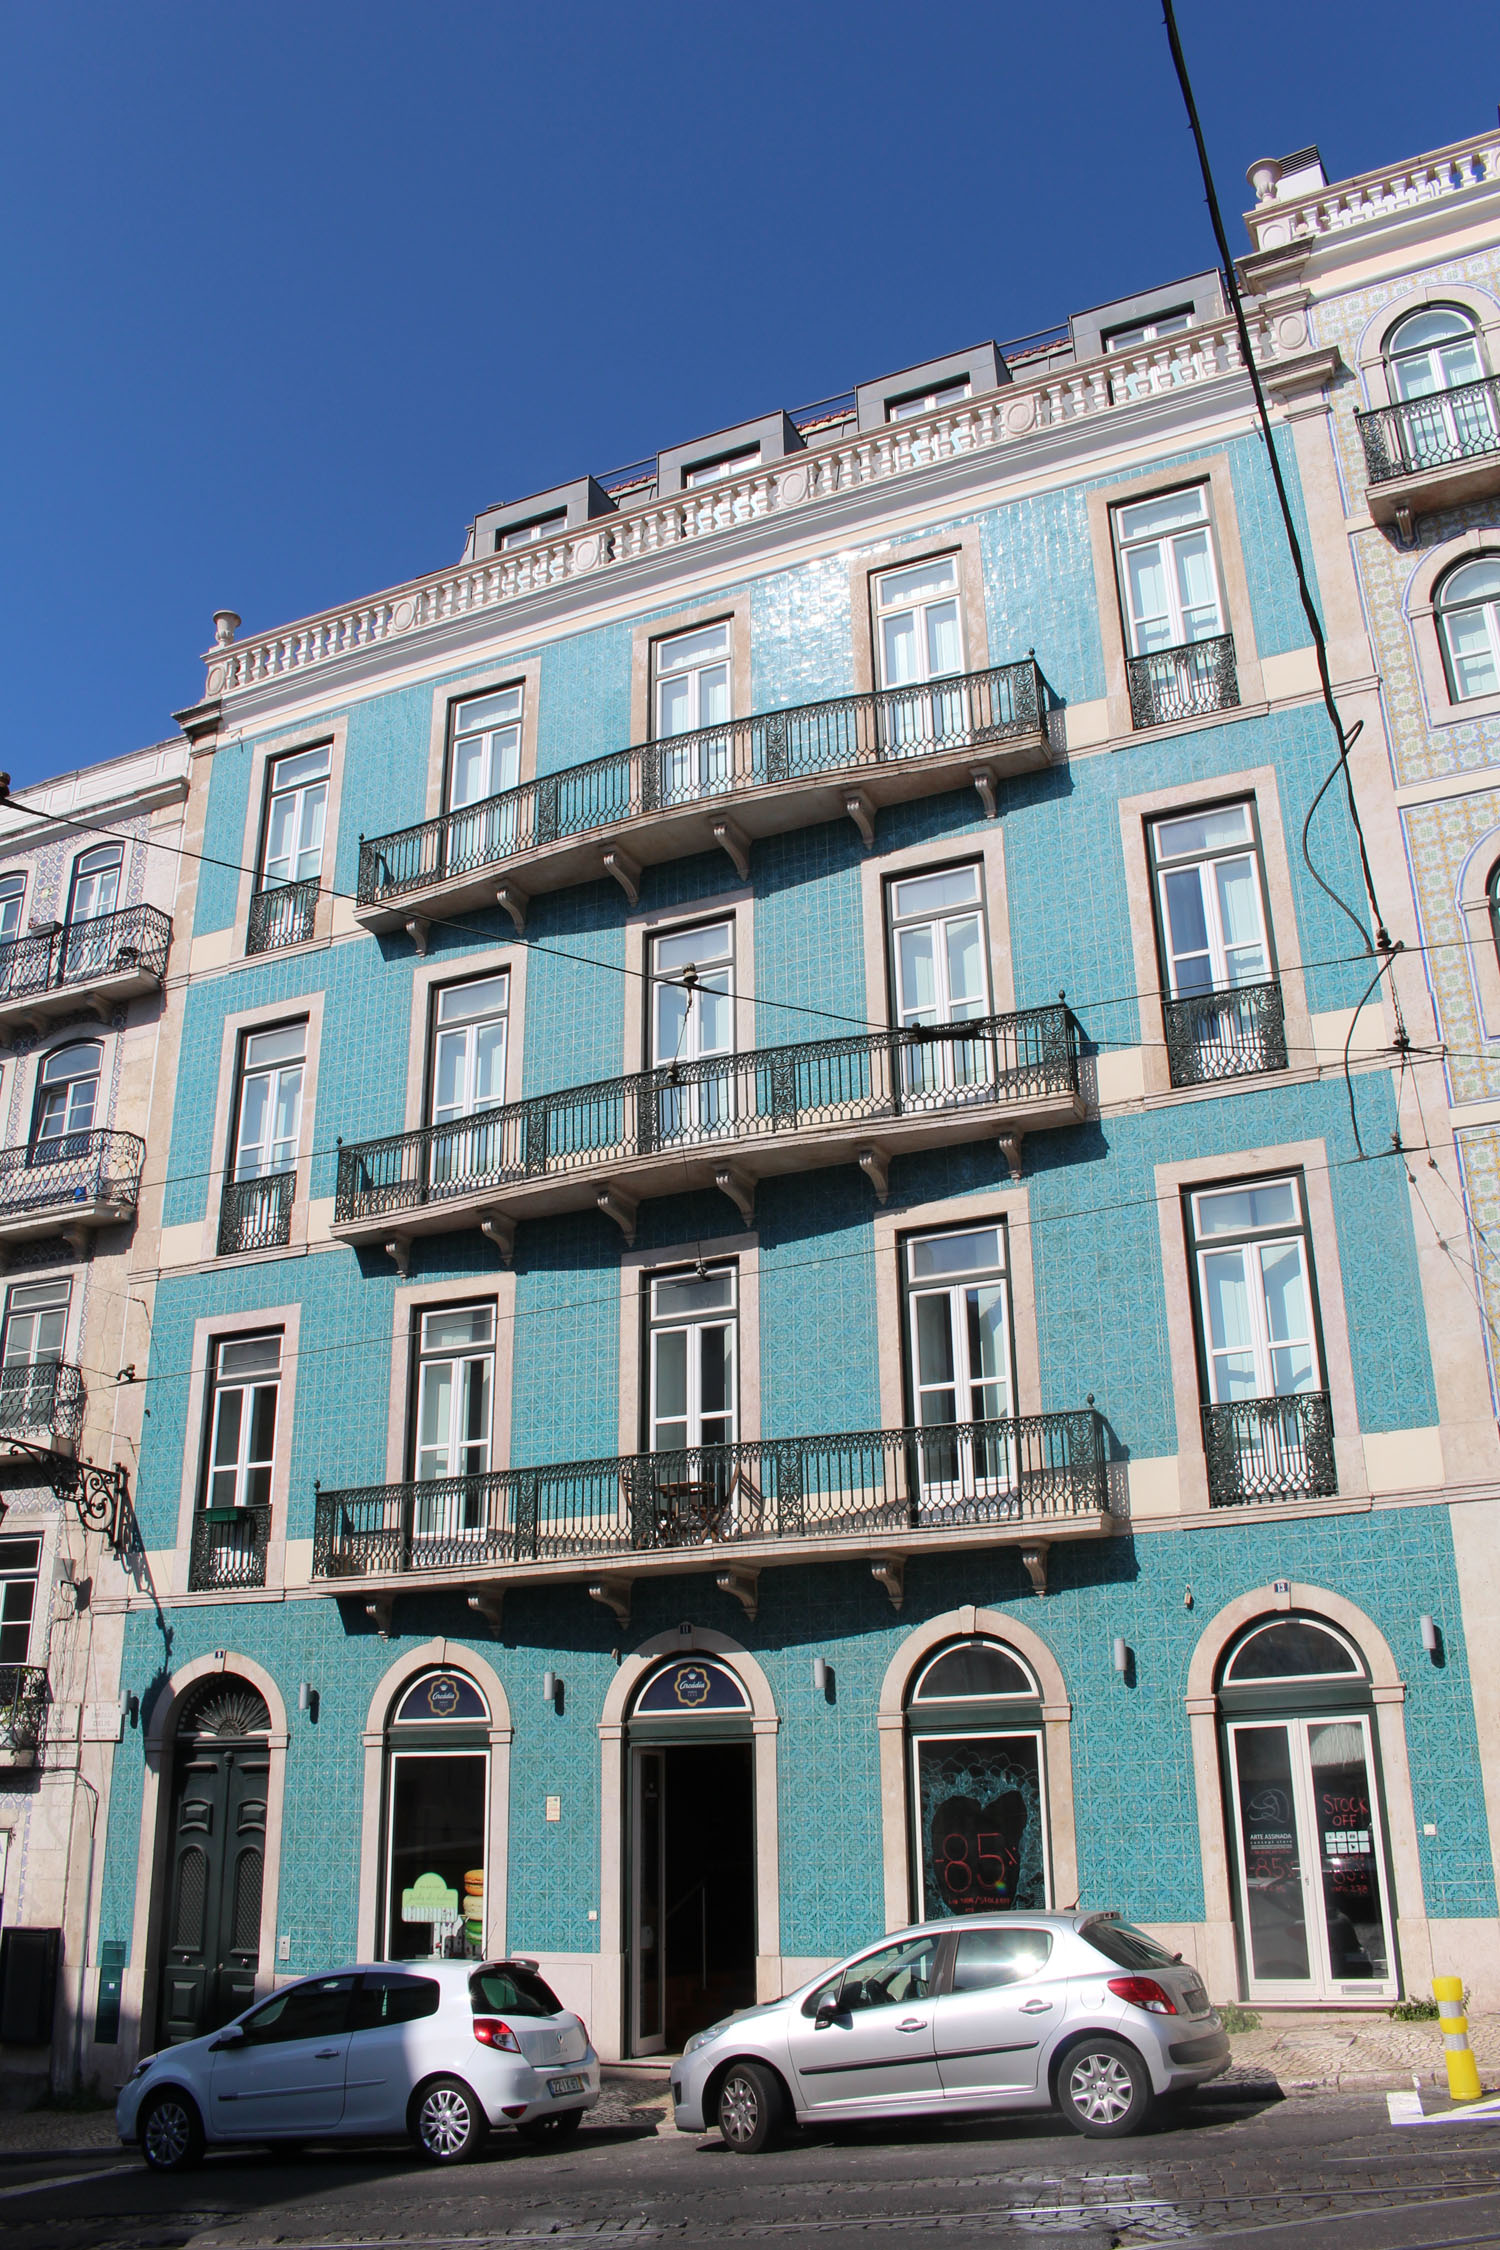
{"type": "Point", "coordinates": [211, 1947]}
{"type": "Point", "coordinates": [692, 1922]}
{"type": "Point", "coordinates": [1315, 1921]}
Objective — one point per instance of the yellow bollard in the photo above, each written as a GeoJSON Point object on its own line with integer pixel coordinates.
{"type": "Point", "coordinates": [1463, 2071]}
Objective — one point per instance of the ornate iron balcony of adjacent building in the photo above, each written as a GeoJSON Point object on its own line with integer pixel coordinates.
{"type": "Point", "coordinates": [23, 1712]}
{"type": "Point", "coordinates": [1024, 1481]}
{"type": "Point", "coordinates": [721, 1123]}
{"type": "Point", "coordinates": [69, 1185]}
{"type": "Point", "coordinates": [256, 1214]}
{"type": "Point", "coordinates": [1173, 684]}
{"type": "Point", "coordinates": [42, 1403]}
{"type": "Point", "coordinates": [92, 965]}
{"type": "Point", "coordinates": [1433, 452]}
{"type": "Point", "coordinates": [229, 1548]}
{"type": "Point", "coordinates": [721, 788]}
{"type": "Point", "coordinates": [1213, 1035]}
{"type": "Point", "coordinates": [283, 915]}
{"type": "Point", "coordinates": [1269, 1449]}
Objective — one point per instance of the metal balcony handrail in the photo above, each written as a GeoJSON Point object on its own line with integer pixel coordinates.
{"type": "Point", "coordinates": [718, 1103]}
{"type": "Point", "coordinates": [135, 939]}
{"type": "Point", "coordinates": [968, 711]}
{"type": "Point", "coordinates": [69, 1169]}
{"type": "Point", "coordinates": [1225, 1034]}
{"type": "Point", "coordinates": [284, 914]}
{"type": "Point", "coordinates": [43, 1394]}
{"type": "Point", "coordinates": [229, 1547]}
{"type": "Point", "coordinates": [1184, 682]}
{"type": "Point", "coordinates": [1266, 1449]}
{"type": "Point", "coordinates": [257, 1214]}
{"type": "Point", "coordinates": [1023, 1470]}
{"type": "Point", "coordinates": [1413, 434]}
{"type": "Point", "coordinates": [23, 1705]}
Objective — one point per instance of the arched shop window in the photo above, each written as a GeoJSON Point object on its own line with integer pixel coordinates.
{"type": "Point", "coordinates": [978, 1782]}
{"type": "Point", "coordinates": [437, 1819]}
{"type": "Point", "coordinates": [1302, 1797]}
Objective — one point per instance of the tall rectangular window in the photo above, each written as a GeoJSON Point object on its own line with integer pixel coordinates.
{"type": "Point", "coordinates": [270, 1103]}
{"type": "Point", "coordinates": [95, 889]}
{"type": "Point", "coordinates": [31, 1348]}
{"type": "Point", "coordinates": [959, 1358]}
{"type": "Point", "coordinates": [455, 1386]}
{"type": "Point", "coordinates": [468, 1077]}
{"type": "Point", "coordinates": [486, 755]}
{"type": "Point", "coordinates": [1256, 1307]}
{"type": "Point", "coordinates": [940, 973]}
{"type": "Point", "coordinates": [919, 628]}
{"type": "Point", "coordinates": [20, 1560]}
{"type": "Point", "coordinates": [1223, 1005]}
{"type": "Point", "coordinates": [692, 1022]}
{"type": "Point", "coordinates": [12, 895]}
{"type": "Point", "coordinates": [691, 696]}
{"type": "Point", "coordinates": [1169, 577]}
{"type": "Point", "coordinates": [245, 1386]}
{"type": "Point", "coordinates": [296, 809]}
{"type": "Point", "coordinates": [691, 1351]}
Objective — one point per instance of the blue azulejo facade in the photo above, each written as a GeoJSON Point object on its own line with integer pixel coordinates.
{"type": "Point", "coordinates": [776, 1307]}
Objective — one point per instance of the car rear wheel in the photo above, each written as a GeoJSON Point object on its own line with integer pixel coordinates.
{"type": "Point", "coordinates": [560, 2126]}
{"type": "Point", "coordinates": [752, 2108]}
{"type": "Point", "coordinates": [1103, 2089]}
{"type": "Point", "coordinates": [448, 2123]}
{"type": "Point", "coordinates": [171, 2132]}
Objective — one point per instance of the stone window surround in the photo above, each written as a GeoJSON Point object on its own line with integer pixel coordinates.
{"type": "Point", "coordinates": [1219, 1958]}
{"type": "Point", "coordinates": [1212, 469]}
{"type": "Point", "coordinates": [335, 732]}
{"type": "Point", "coordinates": [732, 609]}
{"type": "Point", "coordinates": [526, 674]}
{"type": "Point", "coordinates": [895, 1796]}
{"type": "Point", "coordinates": [1473, 896]}
{"type": "Point", "coordinates": [697, 1640]}
{"type": "Point", "coordinates": [744, 1251]}
{"type": "Point", "coordinates": [1172, 1179]}
{"type": "Point", "coordinates": [209, 1330]}
{"type": "Point", "coordinates": [1260, 784]}
{"type": "Point", "coordinates": [1369, 355]}
{"type": "Point", "coordinates": [1011, 1204]}
{"type": "Point", "coordinates": [643, 924]}
{"type": "Point", "coordinates": [873, 562]}
{"type": "Point", "coordinates": [140, 1996]}
{"type": "Point", "coordinates": [411, 1298]}
{"type": "Point", "coordinates": [300, 1007]}
{"type": "Point", "coordinates": [435, 974]}
{"type": "Point", "coordinates": [876, 873]}
{"type": "Point", "coordinates": [1441, 707]}
{"type": "Point", "coordinates": [409, 1665]}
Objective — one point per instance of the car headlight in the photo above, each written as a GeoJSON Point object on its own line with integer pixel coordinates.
{"type": "Point", "coordinates": [701, 2038]}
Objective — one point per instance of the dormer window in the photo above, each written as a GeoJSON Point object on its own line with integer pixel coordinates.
{"type": "Point", "coordinates": [726, 465]}
{"type": "Point", "coordinates": [527, 534]}
{"type": "Point", "coordinates": [928, 402]}
{"type": "Point", "coordinates": [1147, 331]}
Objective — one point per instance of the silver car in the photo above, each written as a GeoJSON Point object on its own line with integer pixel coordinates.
{"type": "Point", "coordinates": [996, 2012]}
{"type": "Point", "coordinates": [439, 2050]}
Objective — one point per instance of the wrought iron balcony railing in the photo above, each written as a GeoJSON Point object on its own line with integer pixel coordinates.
{"type": "Point", "coordinates": [131, 945]}
{"type": "Point", "coordinates": [1173, 684]}
{"type": "Point", "coordinates": [284, 915]}
{"type": "Point", "coordinates": [1438, 432]}
{"type": "Point", "coordinates": [23, 1708]}
{"type": "Point", "coordinates": [1231, 1034]}
{"type": "Point", "coordinates": [71, 1173]}
{"type": "Point", "coordinates": [46, 1395]}
{"type": "Point", "coordinates": [256, 1214]}
{"type": "Point", "coordinates": [852, 736]}
{"type": "Point", "coordinates": [732, 1105]}
{"type": "Point", "coordinates": [229, 1548]}
{"type": "Point", "coordinates": [1269, 1449]}
{"type": "Point", "coordinates": [1028, 1472]}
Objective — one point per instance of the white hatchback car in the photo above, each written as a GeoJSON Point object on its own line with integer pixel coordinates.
{"type": "Point", "coordinates": [439, 2050]}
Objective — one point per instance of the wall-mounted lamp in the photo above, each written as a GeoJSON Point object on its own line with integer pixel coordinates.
{"type": "Point", "coordinates": [820, 1675]}
{"type": "Point", "coordinates": [130, 1708]}
{"type": "Point", "coordinates": [1122, 1655]}
{"type": "Point", "coordinates": [307, 1698]}
{"type": "Point", "coordinates": [1432, 1640]}
{"type": "Point", "coordinates": [552, 1690]}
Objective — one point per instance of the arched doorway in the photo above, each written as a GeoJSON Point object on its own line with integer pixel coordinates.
{"type": "Point", "coordinates": [691, 1851]}
{"type": "Point", "coordinates": [221, 1768]}
{"type": "Point", "coordinates": [1303, 1810]}
{"type": "Point", "coordinates": [977, 1774]}
{"type": "Point", "coordinates": [435, 1878]}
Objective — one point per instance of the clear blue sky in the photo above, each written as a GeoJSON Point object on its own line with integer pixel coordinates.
{"type": "Point", "coordinates": [293, 288]}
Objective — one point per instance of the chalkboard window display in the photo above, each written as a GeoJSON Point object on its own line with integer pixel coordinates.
{"type": "Point", "coordinates": [981, 1821]}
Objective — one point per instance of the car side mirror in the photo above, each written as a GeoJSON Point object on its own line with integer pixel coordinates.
{"type": "Point", "coordinates": [233, 2035]}
{"type": "Point", "coordinates": [827, 2014]}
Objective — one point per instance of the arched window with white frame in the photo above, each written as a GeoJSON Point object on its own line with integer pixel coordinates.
{"type": "Point", "coordinates": [1468, 616]}
{"type": "Point", "coordinates": [1435, 372]}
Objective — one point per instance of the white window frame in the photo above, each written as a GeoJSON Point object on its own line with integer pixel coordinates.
{"type": "Point", "coordinates": [273, 1070]}
{"type": "Point", "coordinates": [890, 607]}
{"type": "Point", "coordinates": [498, 756]}
{"type": "Point", "coordinates": [1434, 354]}
{"type": "Point", "coordinates": [12, 899]}
{"type": "Point", "coordinates": [702, 764]}
{"type": "Point", "coordinates": [935, 1074]}
{"type": "Point", "coordinates": [1252, 1244]}
{"type": "Point", "coordinates": [1138, 333]}
{"type": "Point", "coordinates": [69, 1125]}
{"type": "Point", "coordinates": [244, 1471]}
{"type": "Point", "coordinates": [20, 1576]}
{"type": "Point", "coordinates": [460, 1029]}
{"type": "Point", "coordinates": [91, 873]}
{"type": "Point", "coordinates": [1487, 607]}
{"type": "Point", "coordinates": [458, 1510]}
{"type": "Point", "coordinates": [705, 1104]}
{"type": "Point", "coordinates": [931, 401]}
{"type": "Point", "coordinates": [976, 1471]}
{"type": "Point", "coordinates": [306, 793]}
{"type": "Point", "coordinates": [738, 463]}
{"type": "Point", "coordinates": [511, 536]}
{"type": "Point", "coordinates": [1204, 862]}
{"type": "Point", "coordinates": [1172, 546]}
{"type": "Point", "coordinates": [690, 1325]}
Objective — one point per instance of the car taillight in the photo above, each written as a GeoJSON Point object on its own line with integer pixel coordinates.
{"type": "Point", "coordinates": [494, 2031]}
{"type": "Point", "coordinates": [1144, 1992]}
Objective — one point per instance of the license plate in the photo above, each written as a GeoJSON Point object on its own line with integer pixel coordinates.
{"type": "Point", "coordinates": [567, 2086]}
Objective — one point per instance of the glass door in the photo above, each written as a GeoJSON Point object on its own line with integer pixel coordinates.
{"type": "Point", "coordinates": [958, 1302]}
{"type": "Point", "coordinates": [1315, 1918]}
{"type": "Point", "coordinates": [692, 1023]}
{"type": "Point", "coordinates": [647, 1905]}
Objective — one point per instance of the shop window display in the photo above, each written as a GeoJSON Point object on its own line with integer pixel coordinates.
{"type": "Point", "coordinates": [437, 1820]}
{"type": "Point", "coordinates": [979, 1803]}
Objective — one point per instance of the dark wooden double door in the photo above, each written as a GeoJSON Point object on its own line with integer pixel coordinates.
{"type": "Point", "coordinates": [215, 1873]}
